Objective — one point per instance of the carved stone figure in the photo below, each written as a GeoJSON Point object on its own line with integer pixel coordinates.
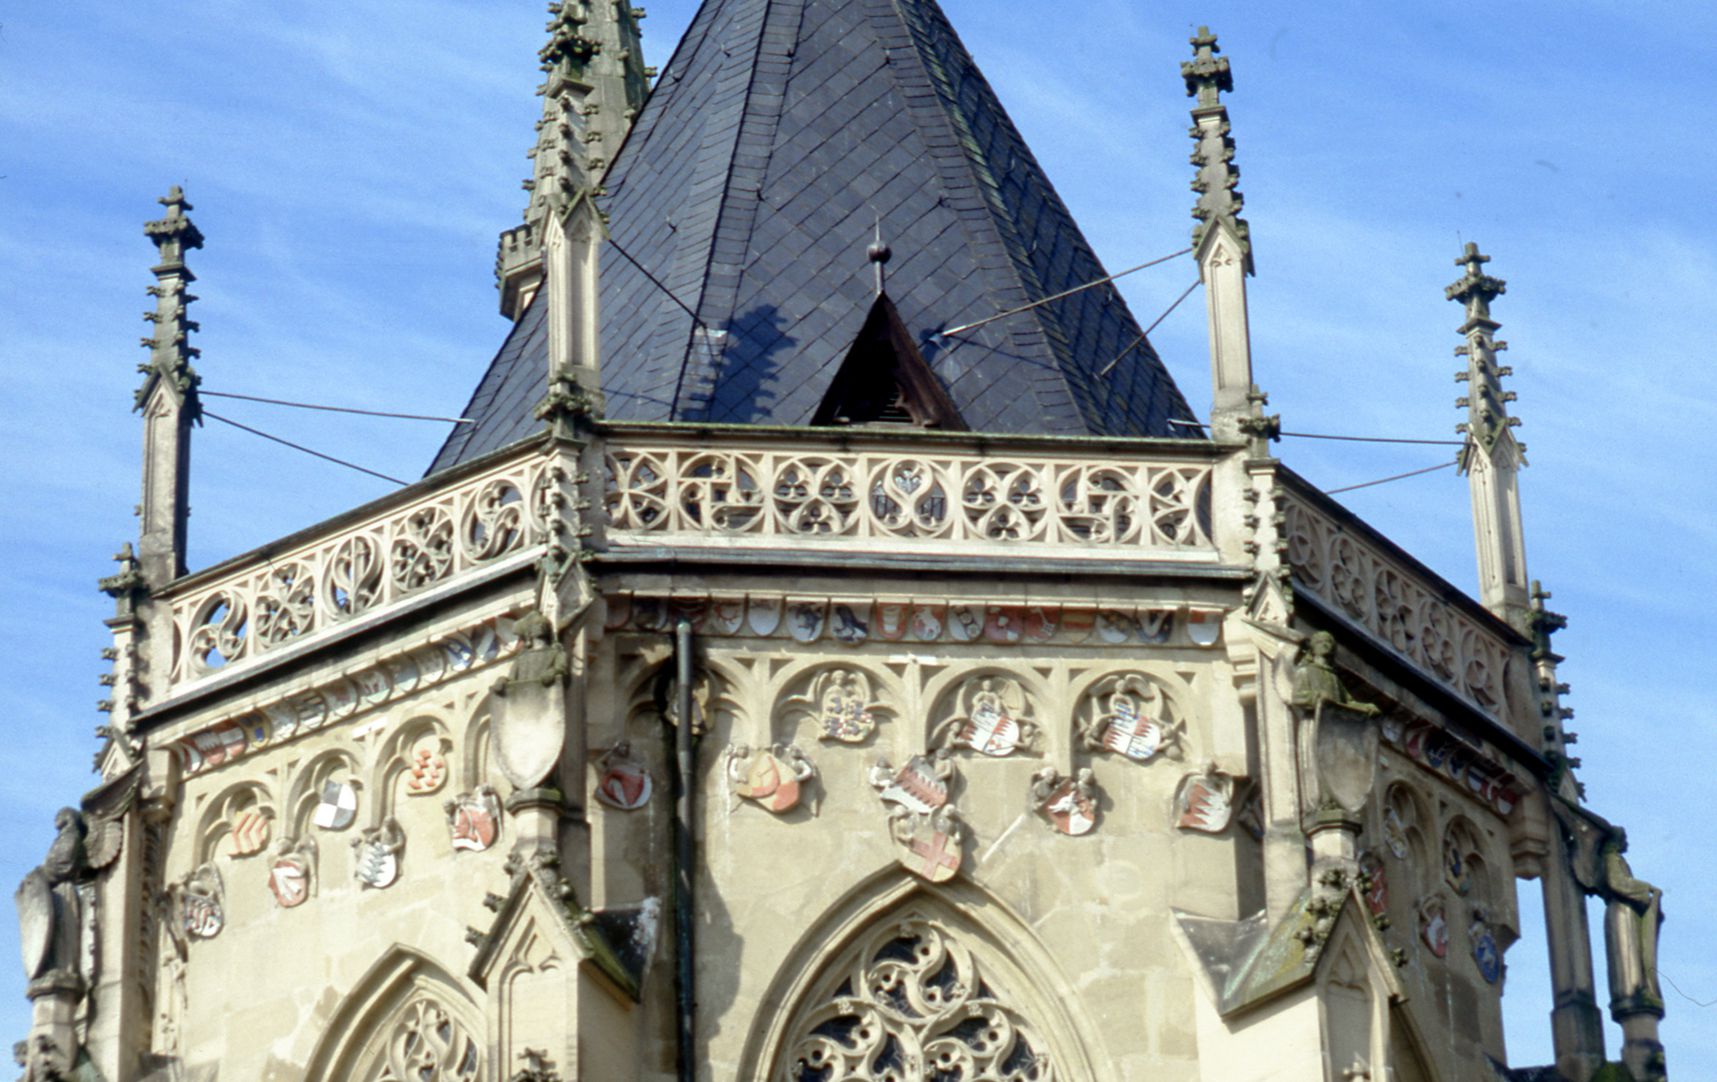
{"type": "Point", "coordinates": [56, 901]}
{"type": "Point", "coordinates": [1631, 923]}
{"type": "Point", "coordinates": [1338, 740]}
{"type": "Point", "coordinates": [1316, 682]}
{"type": "Point", "coordinates": [529, 706]}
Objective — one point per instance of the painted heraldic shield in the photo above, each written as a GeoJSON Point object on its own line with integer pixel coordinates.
{"type": "Point", "coordinates": [338, 807]}
{"type": "Point", "coordinates": [289, 879]}
{"type": "Point", "coordinates": [1485, 953]}
{"type": "Point", "coordinates": [991, 730]}
{"type": "Point", "coordinates": [624, 785]}
{"type": "Point", "coordinates": [1132, 734]}
{"type": "Point", "coordinates": [1068, 810]}
{"type": "Point", "coordinates": [475, 820]}
{"type": "Point", "coordinates": [377, 866]}
{"type": "Point", "coordinates": [204, 917]}
{"type": "Point", "coordinates": [930, 848]}
{"type": "Point", "coordinates": [1206, 803]}
{"type": "Point", "coordinates": [771, 783]}
{"type": "Point", "coordinates": [916, 787]}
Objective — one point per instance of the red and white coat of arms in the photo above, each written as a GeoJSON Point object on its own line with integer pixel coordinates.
{"type": "Point", "coordinates": [993, 721]}
{"type": "Point", "coordinates": [1069, 803]}
{"type": "Point", "coordinates": [474, 819]}
{"type": "Point", "coordinates": [1205, 802]}
{"type": "Point", "coordinates": [1434, 926]}
{"type": "Point", "coordinates": [621, 781]}
{"type": "Point", "coordinates": [928, 844]}
{"type": "Point", "coordinates": [773, 778]}
{"type": "Point", "coordinates": [920, 786]}
{"type": "Point", "coordinates": [290, 876]}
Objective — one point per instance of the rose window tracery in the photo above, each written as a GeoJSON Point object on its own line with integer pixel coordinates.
{"type": "Point", "coordinates": [911, 1005]}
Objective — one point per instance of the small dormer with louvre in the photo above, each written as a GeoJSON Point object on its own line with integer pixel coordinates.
{"type": "Point", "coordinates": [885, 381]}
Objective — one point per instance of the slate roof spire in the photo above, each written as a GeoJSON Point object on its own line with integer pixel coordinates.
{"type": "Point", "coordinates": [779, 137]}
{"type": "Point", "coordinates": [594, 82]}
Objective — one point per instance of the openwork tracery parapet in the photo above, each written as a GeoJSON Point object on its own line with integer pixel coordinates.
{"type": "Point", "coordinates": [1401, 606]}
{"type": "Point", "coordinates": [275, 600]}
{"type": "Point", "coordinates": [771, 492]}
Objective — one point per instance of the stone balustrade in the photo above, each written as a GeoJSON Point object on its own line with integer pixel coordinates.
{"type": "Point", "coordinates": [238, 612]}
{"type": "Point", "coordinates": [950, 496]}
{"type": "Point", "coordinates": [1401, 604]}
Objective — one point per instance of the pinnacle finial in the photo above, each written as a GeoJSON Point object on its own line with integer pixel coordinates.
{"type": "Point", "coordinates": [1207, 75]}
{"type": "Point", "coordinates": [170, 349]}
{"type": "Point", "coordinates": [1544, 623]}
{"type": "Point", "coordinates": [1475, 289]}
{"type": "Point", "coordinates": [1219, 200]}
{"type": "Point", "coordinates": [594, 86]}
{"type": "Point", "coordinates": [174, 235]}
{"type": "Point", "coordinates": [1486, 402]}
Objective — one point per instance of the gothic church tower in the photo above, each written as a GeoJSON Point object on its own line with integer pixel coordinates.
{"type": "Point", "coordinates": [834, 650]}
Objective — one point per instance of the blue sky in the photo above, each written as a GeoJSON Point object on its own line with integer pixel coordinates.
{"type": "Point", "coordinates": [351, 164]}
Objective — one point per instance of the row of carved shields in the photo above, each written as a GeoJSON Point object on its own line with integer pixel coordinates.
{"type": "Point", "coordinates": [1432, 918]}
{"type": "Point", "coordinates": [775, 778]}
{"type": "Point", "coordinates": [474, 825]}
{"type": "Point", "coordinates": [809, 619]}
{"type": "Point", "coordinates": [929, 833]}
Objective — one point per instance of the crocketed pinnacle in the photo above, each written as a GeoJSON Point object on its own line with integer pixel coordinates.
{"type": "Point", "coordinates": [595, 81]}
{"type": "Point", "coordinates": [1207, 75]}
{"type": "Point", "coordinates": [1485, 401]}
{"type": "Point", "coordinates": [170, 350]}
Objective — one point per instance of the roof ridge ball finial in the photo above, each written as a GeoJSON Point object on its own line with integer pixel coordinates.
{"type": "Point", "coordinates": [879, 253]}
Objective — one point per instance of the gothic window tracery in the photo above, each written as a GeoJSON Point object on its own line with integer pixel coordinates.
{"type": "Point", "coordinates": [425, 1043]}
{"type": "Point", "coordinates": [910, 1003]}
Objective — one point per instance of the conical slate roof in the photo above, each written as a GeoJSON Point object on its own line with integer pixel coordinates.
{"type": "Point", "coordinates": [781, 136]}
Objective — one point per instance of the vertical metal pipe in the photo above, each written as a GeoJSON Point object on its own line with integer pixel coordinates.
{"type": "Point", "coordinates": [685, 854]}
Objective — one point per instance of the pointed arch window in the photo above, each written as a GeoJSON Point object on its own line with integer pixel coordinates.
{"type": "Point", "coordinates": [406, 1020]}
{"type": "Point", "coordinates": [910, 1003]}
{"type": "Point", "coordinates": [424, 1042]}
